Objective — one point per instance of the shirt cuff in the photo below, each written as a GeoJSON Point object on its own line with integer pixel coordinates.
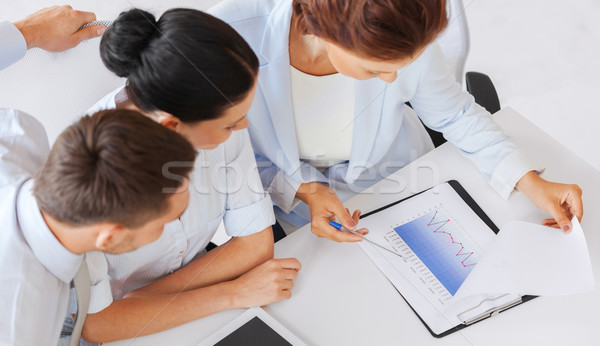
{"type": "Point", "coordinates": [510, 170]}
{"type": "Point", "coordinates": [283, 190]}
{"type": "Point", "coordinates": [251, 219]}
{"type": "Point", "coordinates": [12, 45]}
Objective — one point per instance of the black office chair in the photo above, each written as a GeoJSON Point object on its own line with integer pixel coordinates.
{"type": "Point", "coordinates": [481, 87]}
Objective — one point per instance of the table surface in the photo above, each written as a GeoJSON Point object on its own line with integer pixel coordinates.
{"type": "Point", "coordinates": [341, 298]}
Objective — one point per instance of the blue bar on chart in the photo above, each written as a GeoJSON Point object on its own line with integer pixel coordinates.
{"type": "Point", "coordinates": [442, 245]}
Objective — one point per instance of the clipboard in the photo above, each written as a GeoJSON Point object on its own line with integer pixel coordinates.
{"type": "Point", "coordinates": [470, 202]}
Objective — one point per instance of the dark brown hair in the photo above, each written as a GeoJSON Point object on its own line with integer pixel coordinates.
{"type": "Point", "coordinates": [187, 63]}
{"type": "Point", "coordinates": [108, 167]}
{"type": "Point", "coordinates": [378, 29]}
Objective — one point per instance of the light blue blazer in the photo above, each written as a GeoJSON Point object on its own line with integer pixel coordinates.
{"type": "Point", "coordinates": [387, 134]}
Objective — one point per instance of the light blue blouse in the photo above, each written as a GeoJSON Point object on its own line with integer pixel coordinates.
{"type": "Point", "coordinates": [387, 134]}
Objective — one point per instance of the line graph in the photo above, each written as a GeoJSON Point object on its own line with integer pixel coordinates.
{"type": "Point", "coordinates": [460, 251]}
{"type": "Point", "coordinates": [441, 245]}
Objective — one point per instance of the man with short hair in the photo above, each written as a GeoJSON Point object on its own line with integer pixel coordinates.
{"type": "Point", "coordinates": [101, 188]}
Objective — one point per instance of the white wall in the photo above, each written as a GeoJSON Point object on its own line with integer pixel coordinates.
{"type": "Point", "coordinates": [544, 59]}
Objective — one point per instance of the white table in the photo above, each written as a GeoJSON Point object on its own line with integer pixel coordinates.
{"type": "Point", "coordinates": [341, 298]}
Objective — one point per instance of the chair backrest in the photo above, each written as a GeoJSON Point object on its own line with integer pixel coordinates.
{"type": "Point", "coordinates": [455, 39]}
{"type": "Point", "coordinates": [57, 88]}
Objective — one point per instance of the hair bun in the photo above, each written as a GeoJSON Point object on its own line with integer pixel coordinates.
{"type": "Point", "coordinates": [124, 41]}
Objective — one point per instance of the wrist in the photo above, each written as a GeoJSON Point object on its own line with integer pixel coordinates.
{"type": "Point", "coordinates": [230, 295]}
{"type": "Point", "coordinates": [528, 182]}
{"type": "Point", "coordinates": [307, 191]}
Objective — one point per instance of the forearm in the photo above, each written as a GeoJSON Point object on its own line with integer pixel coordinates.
{"type": "Point", "coordinates": [138, 316]}
{"type": "Point", "coordinates": [223, 263]}
{"type": "Point", "coordinates": [129, 317]}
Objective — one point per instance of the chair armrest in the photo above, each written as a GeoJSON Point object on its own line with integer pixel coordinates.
{"type": "Point", "coordinates": [482, 89]}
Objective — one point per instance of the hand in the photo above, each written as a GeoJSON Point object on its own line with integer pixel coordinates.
{"type": "Point", "coordinates": [56, 28]}
{"type": "Point", "coordinates": [325, 205]}
{"type": "Point", "coordinates": [267, 283]}
{"type": "Point", "coordinates": [562, 201]}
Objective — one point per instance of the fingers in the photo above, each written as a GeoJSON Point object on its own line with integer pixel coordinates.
{"type": "Point", "coordinates": [356, 217]}
{"type": "Point", "coordinates": [89, 32]}
{"type": "Point", "coordinates": [287, 273]}
{"type": "Point", "coordinates": [343, 215]}
{"type": "Point", "coordinates": [287, 285]}
{"type": "Point", "coordinates": [574, 201]}
{"type": "Point", "coordinates": [362, 231]}
{"type": "Point", "coordinates": [550, 223]}
{"type": "Point", "coordinates": [561, 218]}
{"type": "Point", "coordinates": [288, 263]}
{"type": "Point", "coordinates": [80, 18]}
{"type": "Point", "coordinates": [339, 236]}
{"type": "Point", "coordinates": [569, 204]}
{"type": "Point", "coordinates": [324, 207]}
{"type": "Point", "coordinates": [322, 228]}
{"type": "Point", "coordinates": [285, 278]}
{"type": "Point", "coordinates": [267, 283]}
{"type": "Point", "coordinates": [83, 17]}
{"type": "Point", "coordinates": [285, 294]}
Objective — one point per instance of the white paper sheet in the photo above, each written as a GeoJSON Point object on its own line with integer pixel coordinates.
{"type": "Point", "coordinates": [532, 259]}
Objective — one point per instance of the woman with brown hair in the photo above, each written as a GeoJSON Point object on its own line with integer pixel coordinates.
{"type": "Point", "coordinates": [329, 118]}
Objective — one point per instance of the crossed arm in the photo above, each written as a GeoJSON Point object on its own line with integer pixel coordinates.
{"type": "Point", "coordinates": [238, 274]}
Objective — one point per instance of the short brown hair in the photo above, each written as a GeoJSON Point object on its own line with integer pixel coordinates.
{"type": "Point", "coordinates": [108, 167]}
{"type": "Point", "coordinates": [379, 29]}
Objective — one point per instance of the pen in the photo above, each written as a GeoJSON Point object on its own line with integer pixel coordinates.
{"type": "Point", "coordinates": [344, 229]}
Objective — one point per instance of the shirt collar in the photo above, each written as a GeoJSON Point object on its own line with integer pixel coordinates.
{"type": "Point", "coordinates": [59, 261]}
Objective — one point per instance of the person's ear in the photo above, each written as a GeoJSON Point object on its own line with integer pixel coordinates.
{"type": "Point", "coordinates": [169, 121]}
{"type": "Point", "coordinates": [108, 236]}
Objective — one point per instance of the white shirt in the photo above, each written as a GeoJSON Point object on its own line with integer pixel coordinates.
{"type": "Point", "coordinates": [36, 268]}
{"type": "Point", "coordinates": [323, 117]}
{"type": "Point", "coordinates": [234, 195]}
{"type": "Point", "coordinates": [12, 45]}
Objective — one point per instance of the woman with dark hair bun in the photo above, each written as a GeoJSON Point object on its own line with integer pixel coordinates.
{"type": "Point", "coordinates": [329, 119]}
{"type": "Point", "coordinates": [194, 74]}
{"type": "Point", "coordinates": [188, 68]}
